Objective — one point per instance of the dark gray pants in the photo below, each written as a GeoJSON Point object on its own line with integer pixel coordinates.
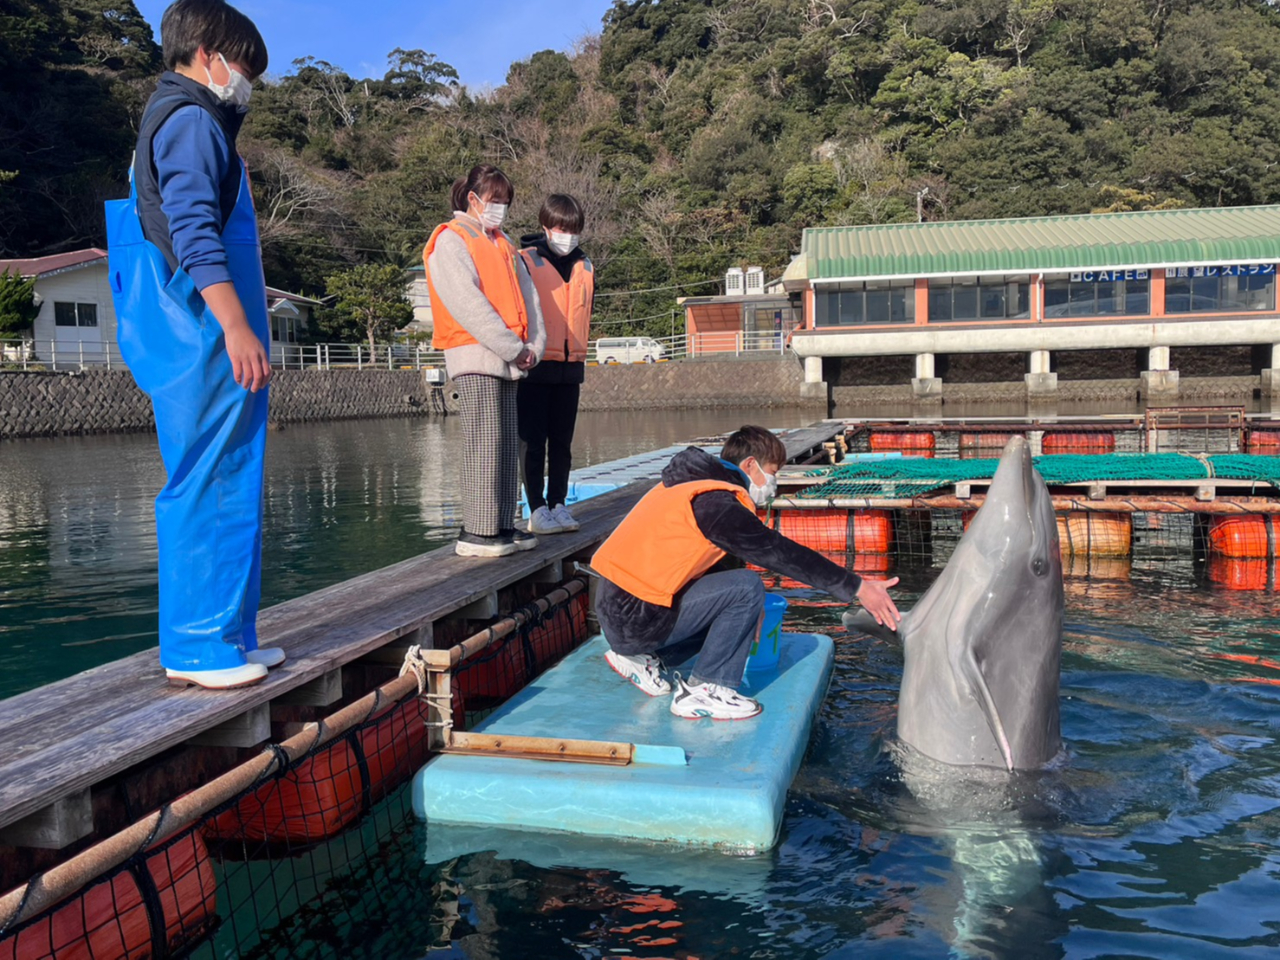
{"type": "Point", "coordinates": [490, 453]}
{"type": "Point", "coordinates": [716, 617]}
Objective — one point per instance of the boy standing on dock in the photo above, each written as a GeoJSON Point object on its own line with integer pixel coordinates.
{"type": "Point", "coordinates": [186, 276]}
{"type": "Point", "coordinates": [547, 398]}
{"type": "Point", "coordinates": [657, 592]}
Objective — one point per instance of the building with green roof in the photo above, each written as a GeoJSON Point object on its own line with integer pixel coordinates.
{"type": "Point", "coordinates": [1152, 280]}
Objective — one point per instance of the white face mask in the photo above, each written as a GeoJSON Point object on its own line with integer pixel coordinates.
{"type": "Point", "coordinates": [762, 494]}
{"type": "Point", "coordinates": [236, 91]}
{"type": "Point", "coordinates": [493, 215]}
{"type": "Point", "coordinates": [562, 243]}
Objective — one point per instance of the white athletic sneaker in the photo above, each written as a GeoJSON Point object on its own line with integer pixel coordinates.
{"type": "Point", "coordinates": [544, 521]}
{"type": "Point", "coordinates": [644, 671]}
{"type": "Point", "coordinates": [711, 700]}
{"type": "Point", "coordinates": [565, 518]}
{"type": "Point", "coordinates": [227, 679]}
{"type": "Point", "coordinates": [267, 656]}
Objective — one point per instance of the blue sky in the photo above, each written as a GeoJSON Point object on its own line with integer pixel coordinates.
{"type": "Point", "coordinates": [480, 39]}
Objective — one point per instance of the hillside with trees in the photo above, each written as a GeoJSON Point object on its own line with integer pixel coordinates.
{"type": "Point", "coordinates": [699, 133]}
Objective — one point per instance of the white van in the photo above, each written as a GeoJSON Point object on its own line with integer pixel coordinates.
{"type": "Point", "coordinates": [629, 350]}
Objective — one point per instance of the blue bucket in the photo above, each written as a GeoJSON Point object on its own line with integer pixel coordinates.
{"type": "Point", "coordinates": [765, 650]}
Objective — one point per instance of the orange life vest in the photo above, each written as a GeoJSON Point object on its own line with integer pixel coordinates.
{"type": "Point", "coordinates": [658, 548]}
{"type": "Point", "coordinates": [566, 307]}
{"type": "Point", "coordinates": [495, 262]}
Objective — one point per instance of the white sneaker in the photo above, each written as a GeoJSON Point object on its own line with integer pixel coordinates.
{"type": "Point", "coordinates": [564, 517]}
{"type": "Point", "coordinates": [644, 671]}
{"type": "Point", "coordinates": [711, 700]}
{"type": "Point", "coordinates": [228, 679]}
{"type": "Point", "coordinates": [267, 656]}
{"type": "Point", "coordinates": [544, 521]}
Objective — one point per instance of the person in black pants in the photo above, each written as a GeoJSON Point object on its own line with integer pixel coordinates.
{"type": "Point", "coordinates": [547, 399]}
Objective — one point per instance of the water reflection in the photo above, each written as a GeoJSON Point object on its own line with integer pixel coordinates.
{"type": "Point", "coordinates": [77, 531]}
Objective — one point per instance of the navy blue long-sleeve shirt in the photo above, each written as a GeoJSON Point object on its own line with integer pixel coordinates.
{"type": "Point", "coordinates": [192, 157]}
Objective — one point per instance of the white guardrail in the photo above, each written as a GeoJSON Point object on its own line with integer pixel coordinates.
{"type": "Point", "coordinates": [28, 354]}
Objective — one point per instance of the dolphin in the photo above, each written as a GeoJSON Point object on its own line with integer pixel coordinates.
{"type": "Point", "coordinates": [982, 648]}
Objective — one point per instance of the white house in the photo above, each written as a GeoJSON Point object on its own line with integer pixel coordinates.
{"type": "Point", "coordinates": [76, 324]}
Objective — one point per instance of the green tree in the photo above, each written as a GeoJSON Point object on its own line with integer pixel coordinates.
{"type": "Point", "coordinates": [17, 303]}
{"type": "Point", "coordinates": [370, 302]}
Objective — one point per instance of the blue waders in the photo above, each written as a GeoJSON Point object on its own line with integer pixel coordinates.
{"type": "Point", "coordinates": [212, 435]}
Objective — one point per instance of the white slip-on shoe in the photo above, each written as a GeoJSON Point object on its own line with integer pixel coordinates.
{"type": "Point", "coordinates": [695, 701]}
{"type": "Point", "coordinates": [267, 656]}
{"type": "Point", "coordinates": [544, 521]}
{"type": "Point", "coordinates": [564, 517]}
{"type": "Point", "coordinates": [228, 679]}
{"type": "Point", "coordinates": [644, 671]}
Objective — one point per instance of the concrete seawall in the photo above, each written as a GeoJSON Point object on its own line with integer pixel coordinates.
{"type": "Point", "coordinates": [46, 404]}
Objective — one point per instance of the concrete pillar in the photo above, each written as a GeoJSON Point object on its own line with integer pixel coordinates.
{"type": "Point", "coordinates": [814, 387]}
{"type": "Point", "coordinates": [813, 370]}
{"type": "Point", "coordinates": [1158, 381]}
{"type": "Point", "coordinates": [926, 386]}
{"type": "Point", "coordinates": [1271, 375]}
{"type": "Point", "coordinates": [1042, 382]}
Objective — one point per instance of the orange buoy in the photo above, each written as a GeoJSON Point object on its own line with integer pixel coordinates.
{"type": "Point", "coordinates": [915, 444]}
{"type": "Point", "coordinates": [1086, 443]}
{"type": "Point", "coordinates": [1256, 573]}
{"type": "Point", "coordinates": [314, 801]}
{"type": "Point", "coordinates": [395, 746]}
{"type": "Point", "coordinates": [987, 441]}
{"type": "Point", "coordinates": [1244, 537]}
{"type": "Point", "coordinates": [109, 920]}
{"type": "Point", "coordinates": [821, 530]}
{"type": "Point", "coordinates": [1095, 534]}
{"type": "Point", "coordinates": [832, 531]}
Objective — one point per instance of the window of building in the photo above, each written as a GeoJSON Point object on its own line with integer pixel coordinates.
{"type": "Point", "coordinates": [871, 302]}
{"type": "Point", "coordinates": [985, 298]}
{"type": "Point", "coordinates": [1226, 289]}
{"type": "Point", "coordinates": [75, 314]}
{"type": "Point", "coordinates": [1098, 293]}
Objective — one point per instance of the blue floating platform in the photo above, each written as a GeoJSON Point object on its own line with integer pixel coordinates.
{"type": "Point", "coordinates": [729, 793]}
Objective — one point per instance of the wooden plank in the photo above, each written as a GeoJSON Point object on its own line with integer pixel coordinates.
{"type": "Point", "coordinates": [247, 730]}
{"type": "Point", "coordinates": [610, 753]}
{"type": "Point", "coordinates": [320, 692]}
{"type": "Point", "coordinates": [55, 827]}
{"type": "Point", "coordinates": [70, 735]}
{"type": "Point", "coordinates": [481, 608]}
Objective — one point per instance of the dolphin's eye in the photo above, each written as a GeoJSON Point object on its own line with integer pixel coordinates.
{"type": "Point", "coordinates": [1039, 567]}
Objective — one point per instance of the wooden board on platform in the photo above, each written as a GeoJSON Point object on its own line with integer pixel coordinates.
{"type": "Point", "coordinates": [68, 736]}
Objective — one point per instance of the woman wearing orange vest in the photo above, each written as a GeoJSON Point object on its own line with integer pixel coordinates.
{"type": "Point", "coordinates": [488, 322]}
{"type": "Point", "coordinates": [547, 400]}
{"type": "Point", "coordinates": [658, 597]}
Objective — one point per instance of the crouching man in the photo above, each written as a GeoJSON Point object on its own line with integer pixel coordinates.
{"type": "Point", "coordinates": [658, 595]}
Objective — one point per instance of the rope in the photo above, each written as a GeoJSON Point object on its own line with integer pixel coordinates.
{"type": "Point", "coordinates": [415, 663]}
{"type": "Point", "coordinates": [1205, 461]}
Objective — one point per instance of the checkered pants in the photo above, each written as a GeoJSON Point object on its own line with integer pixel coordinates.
{"type": "Point", "coordinates": [491, 453]}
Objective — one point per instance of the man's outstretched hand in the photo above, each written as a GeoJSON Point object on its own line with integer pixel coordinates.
{"type": "Point", "coordinates": [875, 599]}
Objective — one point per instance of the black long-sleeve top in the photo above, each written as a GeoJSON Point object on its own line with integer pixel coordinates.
{"type": "Point", "coordinates": [642, 626]}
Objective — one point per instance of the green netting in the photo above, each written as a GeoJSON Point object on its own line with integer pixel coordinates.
{"type": "Point", "coordinates": [904, 477]}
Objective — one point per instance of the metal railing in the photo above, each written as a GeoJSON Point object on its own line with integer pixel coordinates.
{"type": "Point", "coordinates": [20, 353]}
{"type": "Point", "coordinates": [29, 354]}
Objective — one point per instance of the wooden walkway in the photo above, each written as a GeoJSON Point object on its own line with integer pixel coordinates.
{"type": "Point", "coordinates": [59, 741]}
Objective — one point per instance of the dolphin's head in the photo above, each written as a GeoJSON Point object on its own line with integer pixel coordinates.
{"type": "Point", "coordinates": [982, 647]}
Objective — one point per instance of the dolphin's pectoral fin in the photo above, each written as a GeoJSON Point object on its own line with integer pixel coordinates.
{"type": "Point", "coordinates": [972, 673]}
{"type": "Point", "coordinates": [864, 622]}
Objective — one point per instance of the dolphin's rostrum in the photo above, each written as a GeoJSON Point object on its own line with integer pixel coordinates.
{"type": "Point", "coordinates": [982, 648]}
